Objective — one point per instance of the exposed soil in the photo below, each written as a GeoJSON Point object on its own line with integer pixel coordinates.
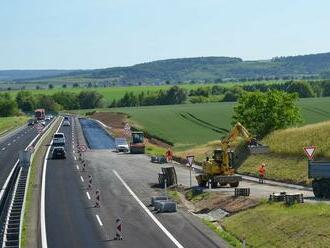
{"type": "Point", "coordinates": [226, 202]}
{"type": "Point", "coordinates": [117, 123]}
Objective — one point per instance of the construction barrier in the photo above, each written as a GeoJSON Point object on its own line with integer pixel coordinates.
{"type": "Point", "coordinates": [169, 174]}
{"type": "Point", "coordinates": [157, 198]}
{"type": "Point", "coordinates": [119, 230]}
{"type": "Point", "coordinates": [277, 197]}
{"type": "Point", "coordinates": [242, 192]}
{"type": "Point", "coordinates": [294, 198]}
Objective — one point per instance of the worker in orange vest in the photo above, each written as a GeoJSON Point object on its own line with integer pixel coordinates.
{"type": "Point", "coordinates": [169, 155]}
{"type": "Point", "coordinates": [262, 172]}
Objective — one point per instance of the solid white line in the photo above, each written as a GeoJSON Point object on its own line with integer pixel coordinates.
{"type": "Point", "coordinates": [88, 196]}
{"type": "Point", "coordinates": [77, 167]}
{"type": "Point", "coordinates": [82, 179]}
{"type": "Point", "coordinates": [43, 192]}
{"type": "Point", "coordinates": [157, 222]}
{"type": "Point", "coordinates": [99, 220]}
{"type": "Point", "coordinates": [42, 207]}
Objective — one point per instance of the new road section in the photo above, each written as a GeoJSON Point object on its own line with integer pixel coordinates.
{"type": "Point", "coordinates": [125, 185]}
{"type": "Point", "coordinates": [68, 217]}
{"type": "Point", "coordinates": [96, 136]}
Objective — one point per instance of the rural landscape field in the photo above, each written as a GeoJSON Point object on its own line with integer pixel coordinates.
{"type": "Point", "coordinates": [181, 124]}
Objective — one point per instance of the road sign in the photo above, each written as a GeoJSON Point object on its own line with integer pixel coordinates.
{"type": "Point", "coordinates": [190, 160]}
{"type": "Point", "coordinates": [309, 151]}
{"type": "Point", "coordinates": [82, 148]}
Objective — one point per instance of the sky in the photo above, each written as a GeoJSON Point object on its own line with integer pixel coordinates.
{"type": "Point", "coordinates": [86, 34]}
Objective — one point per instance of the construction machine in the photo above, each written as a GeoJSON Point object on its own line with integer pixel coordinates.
{"type": "Point", "coordinates": [219, 169]}
{"type": "Point", "coordinates": [137, 144]}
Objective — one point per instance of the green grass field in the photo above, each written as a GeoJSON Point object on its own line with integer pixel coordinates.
{"type": "Point", "coordinates": [190, 125]}
{"type": "Point", "coordinates": [8, 123]}
{"type": "Point", "coordinates": [276, 225]}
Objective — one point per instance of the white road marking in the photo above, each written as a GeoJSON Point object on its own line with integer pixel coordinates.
{"type": "Point", "coordinates": [74, 157]}
{"type": "Point", "coordinates": [77, 167]}
{"type": "Point", "coordinates": [157, 222]}
{"type": "Point", "coordinates": [88, 196]}
{"type": "Point", "coordinates": [9, 144]}
{"type": "Point", "coordinates": [43, 192]}
{"type": "Point", "coordinates": [14, 140]}
{"type": "Point", "coordinates": [4, 148]}
{"type": "Point", "coordinates": [72, 146]}
{"type": "Point", "coordinates": [82, 179]}
{"type": "Point", "coordinates": [99, 220]}
{"type": "Point", "coordinates": [73, 151]}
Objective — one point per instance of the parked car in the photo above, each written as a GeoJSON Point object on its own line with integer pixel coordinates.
{"type": "Point", "coordinates": [43, 123]}
{"type": "Point", "coordinates": [58, 139]}
{"type": "Point", "coordinates": [47, 118]}
{"type": "Point", "coordinates": [58, 153]}
{"type": "Point", "coordinates": [121, 145]}
{"type": "Point", "coordinates": [66, 118]}
{"type": "Point", "coordinates": [66, 123]}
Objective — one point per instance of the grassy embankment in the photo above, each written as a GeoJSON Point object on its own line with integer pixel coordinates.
{"type": "Point", "coordinates": [8, 123]}
{"type": "Point", "coordinates": [276, 225]}
{"type": "Point", "coordinates": [287, 161]}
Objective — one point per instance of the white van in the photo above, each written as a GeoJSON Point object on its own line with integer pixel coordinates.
{"type": "Point", "coordinates": [59, 139]}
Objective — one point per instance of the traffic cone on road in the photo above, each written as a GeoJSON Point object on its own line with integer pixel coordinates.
{"type": "Point", "coordinates": [119, 230]}
{"type": "Point", "coordinates": [97, 198]}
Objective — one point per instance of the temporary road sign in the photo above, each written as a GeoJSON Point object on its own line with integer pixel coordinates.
{"type": "Point", "coordinates": [190, 160]}
{"type": "Point", "coordinates": [309, 151]}
{"type": "Point", "coordinates": [119, 230]}
{"type": "Point", "coordinates": [82, 148]}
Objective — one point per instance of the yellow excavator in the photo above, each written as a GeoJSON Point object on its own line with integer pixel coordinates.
{"type": "Point", "coordinates": [219, 169]}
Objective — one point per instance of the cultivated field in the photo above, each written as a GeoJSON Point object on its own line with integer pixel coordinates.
{"type": "Point", "coordinates": [190, 125]}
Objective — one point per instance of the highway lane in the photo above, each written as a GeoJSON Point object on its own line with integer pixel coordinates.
{"type": "Point", "coordinates": [111, 171]}
{"type": "Point", "coordinates": [10, 145]}
{"type": "Point", "coordinates": [69, 221]}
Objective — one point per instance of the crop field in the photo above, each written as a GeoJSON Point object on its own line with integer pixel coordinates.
{"type": "Point", "coordinates": [190, 125]}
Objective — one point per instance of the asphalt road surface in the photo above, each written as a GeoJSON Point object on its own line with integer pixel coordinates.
{"type": "Point", "coordinates": [125, 182]}
{"type": "Point", "coordinates": [10, 145]}
{"type": "Point", "coordinates": [68, 217]}
{"type": "Point", "coordinates": [96, 136]}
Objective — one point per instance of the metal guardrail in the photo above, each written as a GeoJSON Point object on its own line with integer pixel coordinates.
{"type": "Point", "coordinates": [13, 197]}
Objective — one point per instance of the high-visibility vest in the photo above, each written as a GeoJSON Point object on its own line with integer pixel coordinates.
{"type": "Point", "coordinates": [262, 171]}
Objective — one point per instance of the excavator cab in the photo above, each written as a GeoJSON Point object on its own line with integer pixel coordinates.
{"type": "Point", "coordinates": [137, 137]}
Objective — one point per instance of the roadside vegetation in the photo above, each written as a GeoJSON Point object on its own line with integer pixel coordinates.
{"type": "Point", "coordinates": [276, 225]}
{"type": "Point", "coordinates": [287, 161]}
{"type": "Point", "coordinates": [8, 123]}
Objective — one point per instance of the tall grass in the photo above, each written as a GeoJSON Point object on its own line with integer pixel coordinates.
{"type": "Point", "coordinates": [291, 141]}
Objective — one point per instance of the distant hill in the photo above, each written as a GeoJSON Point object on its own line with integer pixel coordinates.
{"type": "Point", "coordinates": [11, 75]}
{"type": "Point", "coordinates": [193, 69]}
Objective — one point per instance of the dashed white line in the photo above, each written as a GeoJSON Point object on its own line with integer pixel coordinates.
{"type": "Point", "coordinates": [74, 157]}
{"type": "Point", "coordinates": [88, 196]}
{"type": "Point", "coordinates": [99, 220]}
{"type": "Point", "coordinates": [9, 144]}
{"type": "Point", "coordinates": [77, 167]}
{"type": "Point", "coordinates": [3, 148]}
{"type": "Point", "coordinates": [82, 179]}
{"type": "Point", "coordinates": [157, 222]}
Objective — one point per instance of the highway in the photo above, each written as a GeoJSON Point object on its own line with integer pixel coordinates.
{"type": "Point", "coordinates": [69, 222]}
{"type": "Point", "coordinates": [73, 221]}
{"type": "Point", "coordinates": [10, 145]}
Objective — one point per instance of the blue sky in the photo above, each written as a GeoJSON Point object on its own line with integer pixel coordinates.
{"type": "Point", "coordinates": [72, 34]}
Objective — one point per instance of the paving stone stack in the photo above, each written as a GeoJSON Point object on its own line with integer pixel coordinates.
{"type": "Point", "coordinates": [277, 197]}
{"type": "Point", "coordinates": [242, 192]}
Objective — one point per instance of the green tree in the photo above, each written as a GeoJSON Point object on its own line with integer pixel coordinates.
{"type": "Point", "coordinates": [68, 100]}
{"type": "Point", "coordinates": [8, 106]}
{"type": "Point", "coordinates": [90, 99]}
{"type": "Point", "coordinates": [48, 103]}
{"type": "Point", "coordinates": [50, 86]}
{"type": "Point", "coordinates": [262, 113]}
{"type": "Point", "coordinates": [303, 89]}
{"type": "Point", "coordinates": [25, 101]}
{"type": "Point", "coordinates": [326, 89]}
